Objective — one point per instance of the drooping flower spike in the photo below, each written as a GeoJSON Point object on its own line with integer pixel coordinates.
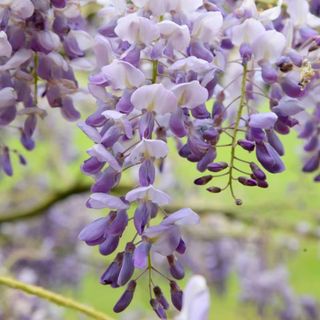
{"type": "Point", "coordinates": [42, 44]}
{"type": "Point", "coordinates": [165, 64]}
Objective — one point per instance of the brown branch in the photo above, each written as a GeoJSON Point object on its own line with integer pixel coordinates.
{"type": "Point", "coordinates": [236, 215]}
{"type": "Point", "coordinates": [50, 201]}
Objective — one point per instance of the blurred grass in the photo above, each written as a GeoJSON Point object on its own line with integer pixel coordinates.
{"type": "Point", "coordinates": [291, 198]}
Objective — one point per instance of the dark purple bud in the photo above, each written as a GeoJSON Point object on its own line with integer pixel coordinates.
{"type": "Point", "coordinates": [247, 181]}
{"type": "Point", "coordinates": [317, 178]}
{"type": "Point", "coordinates": [7, 115]}
{"type": "Point", "coordinates": [147, 173]}
{"type": "Point", "coordinates": [109, 245]}
{"type": "Point", "coordinates": [227, 44]}
{"type": "Point", "coordinates": [312, 144]}
{"type": "Point", "coordinates": [217, 166]}
{"type": "Point", "coordinates": [206, 159]}
{"type": "Point", "coordinates": [198, 50]}
{"type": "Point", "coordinates": [269, 158]}
{"type": "Point", "coordinates": [181, 248]}
{"type": "Point", "coordinates": [245, 53]}
{"type": "Point", "coordinates": [111, 274]}
{"type": "Point", "coordinates": [256, 134]}
{"type": "Point", "coordinates": [127, 268]}
{"type": "Point", "coordinates": [126, 297]}
{"type": "Point", "coordinates": [176, 295]}
{"type": "Point", "coordinates": [214, 189]}
{"type": "Point", "coordinates": [160, 297]}
{"type": "Point", "coordinates": [175, 267]}
{"type": "Point", "coordinates": [118, 224]}
{"type": "Point", "coordinates": [218, 112]}
{"type": "Point", "coordinates": [200, 112]}
{"type": "Point", "coordinates": [97, 119]}
{"type": "Point", "coordinates": [177, 124]}
{"type": "Point", "coordinates": [141, 217]}
{"type": "Point", "coordinates": [124, 105]}
{"type": "Point", "coordinates": [30, 125]}
{"type": "Point", "coordinates": [308, 130]}
{"type": "Point", "coordinates": [92, 166]}
{"type": "Point", "coordinates": [268, 73]}
{"type": "Point", "coordinates": [6, 162]}
{"type": "Point", "coordinates": [257, 172]}
{"type": "Point", "coordinates": [281, 127]}
{"type": "Point", "coordinates": [312, 164]}
{"type": "Point", "coordinates": [27, 141]}
{"type": "Point", "coordinates": [203, 180]}
{"type": "Point", "coordinates": [111, 136]}
{"type": "Point", "coordinates": [108, 179]}
{"type": "Point", "coordinates": [198, 146]}
{"type": "Point", "coordinates": [146, 125]}
{"type": "Point", "coordinates": [246, 144]}
{"type": "Point", "coordinates": [211, 135]}
{"type": "Point", "coordinates": [158, 308]}
{"type": "Point", "coordinates": [185, 151]}
{"type": "Point", "coordinates": [275, 142]}
{"type": "Point", "coordinates": [262, 184]}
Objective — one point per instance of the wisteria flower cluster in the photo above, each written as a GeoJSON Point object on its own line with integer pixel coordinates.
{"type": "Point", "coordinates": [161, 64]}
{"type": "Point", "coordinates": [42, 42]}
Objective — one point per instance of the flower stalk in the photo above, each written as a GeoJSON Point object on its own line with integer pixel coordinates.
{"type": "Point", "coordinates": [53, 297]}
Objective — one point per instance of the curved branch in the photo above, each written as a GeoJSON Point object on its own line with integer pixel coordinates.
{"type": "Point", "coordinates": [53, 297]}
{"type": "Point", "coordinates": [50, 201]}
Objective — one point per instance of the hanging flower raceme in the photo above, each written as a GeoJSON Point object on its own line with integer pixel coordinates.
{"type": "Point", "coordinates": [160, 64]}
{"type": "Point", "coordinates": [42, 43]}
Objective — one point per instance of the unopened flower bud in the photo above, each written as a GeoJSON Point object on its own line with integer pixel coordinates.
{"type": "Point", "coordinates": [126, 297]}
{"type": "Point", "coordinates": [160, 297]}
{"type": "Point", "coordinates": [217, 166]}
{"type": "Point", "coordinates": [203, 180]}
{"type": "Point", "coordinates": [175, 267]}
{"type": "Point", "coordinates": [247, 181]}
{"type": "Point", "coordinates": [176, 295]}
{"type": "Point", "coordinates": [214, 189]}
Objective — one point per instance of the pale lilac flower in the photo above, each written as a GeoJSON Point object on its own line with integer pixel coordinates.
{"type": "Point", "coordinates": [155, 149]}
{"type": "Point", "coordinates": [178, 37]}
{"type": "Point", "coordinates": [121, 75]}
{"type": "Point", "coordinates": [8, 97]}
{"type": "Point", "coordinates": [154, 97]}
{"type": "Point", "coordinates": [196, 300]}
{"type": "Point", "coordinates": [191, 94]}
{"type": "Point", "coordinates": [5, 46]}
{"type": "Point", "coordinates": [207, 27]}
{"type": "Point", "coordinates": [247, 32]}
{"type": "Point", "coordinates": [269, 46]}
{"type": "Point", "coordinates": [103, 200]}
{"type": "Point", "coordinates": [263, 120]}
{"type": "Point", "coordinates": [136, 29]}
{"type": "Point", "coordinates": [103, 155]}
{"type": "Point", "coordinates": [149, 193]}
